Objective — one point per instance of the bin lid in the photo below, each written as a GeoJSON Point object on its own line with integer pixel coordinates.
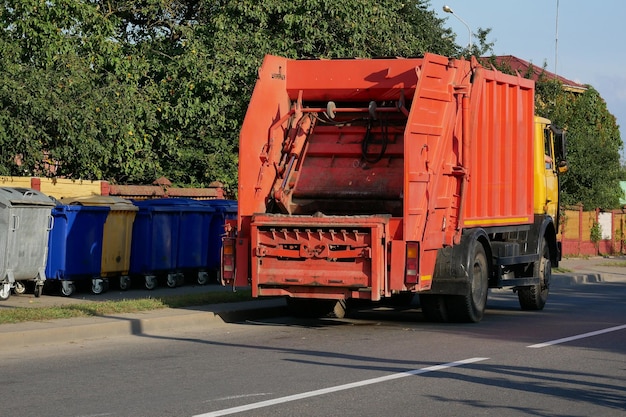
{"type": "Point", "coordinates": [222, 205]}
{"type": "Point", "coordinates": [172, 204]}
{"type": "Point", "coordinates": [20, 196]}
{"type": "Point", "coordinates": [112, 202]}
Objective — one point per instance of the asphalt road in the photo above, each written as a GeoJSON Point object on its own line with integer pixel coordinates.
{"type": "Point", "coordinates": [568, 360]}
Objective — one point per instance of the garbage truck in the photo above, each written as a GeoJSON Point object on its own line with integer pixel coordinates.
{"type": "Point", "coordinates": [380, 179]}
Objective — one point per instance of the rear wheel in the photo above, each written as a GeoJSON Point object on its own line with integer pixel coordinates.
{"type": "Point", "coordinates": [471, 306]}
{"type": "Point", "coordinates": [534, 297]}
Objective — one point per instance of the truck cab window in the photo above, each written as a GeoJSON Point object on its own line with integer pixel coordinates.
{"type": "Point", "coordinates": [547, 149]}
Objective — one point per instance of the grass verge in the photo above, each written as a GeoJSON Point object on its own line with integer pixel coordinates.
{"type": "Point", "coordinates": [616, 264]}
{"type": "Point", "coordinates": [18, 315]}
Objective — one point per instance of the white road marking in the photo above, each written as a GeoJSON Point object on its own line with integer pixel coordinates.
{"type": "Point", "coordinates": [234, 397]}
{"type": "Point", "coordinates": [329, 390]}
{"type": "Point", "coordinates": [580, 336]}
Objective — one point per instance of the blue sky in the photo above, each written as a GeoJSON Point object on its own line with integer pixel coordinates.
{"type": "Point", "coordinates": [591, 47]}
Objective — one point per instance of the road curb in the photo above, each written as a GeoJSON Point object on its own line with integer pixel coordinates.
{"type": "Point", "coordinates": [574, 279]}
{"type": "Point", "coordinates": [76, 329]}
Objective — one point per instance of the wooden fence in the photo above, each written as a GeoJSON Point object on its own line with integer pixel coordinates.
{"type": "Point", "coordinates": [576, 231]}
{"type": "Point", "coordinates": [64, 188]}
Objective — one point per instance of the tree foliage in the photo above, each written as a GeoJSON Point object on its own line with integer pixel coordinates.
{"type": "Point", "coordinates": [593, 144]}
{"type": "Point", "coordinates": [593, 140]}
{"type": "Point", "coordinates": [128, 91]}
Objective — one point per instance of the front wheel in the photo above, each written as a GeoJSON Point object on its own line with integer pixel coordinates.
{"type": "Point", "coordinates": [534, 297]}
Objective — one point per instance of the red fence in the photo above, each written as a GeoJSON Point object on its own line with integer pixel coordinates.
{"type": "Point", "coordinates": [576, 231]}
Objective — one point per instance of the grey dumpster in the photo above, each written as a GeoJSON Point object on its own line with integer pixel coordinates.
{"type": "Point", "coordinates": [25, 223]}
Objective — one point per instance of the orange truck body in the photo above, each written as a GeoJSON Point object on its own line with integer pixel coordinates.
{"type": "Point", "coordinates": [358, 178]}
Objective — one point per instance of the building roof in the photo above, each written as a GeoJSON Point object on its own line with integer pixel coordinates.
{"type": "Point", "coordinates": [522, 67]}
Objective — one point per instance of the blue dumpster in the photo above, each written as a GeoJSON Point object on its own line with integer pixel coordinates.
{"type": "Point", "coordinates": [75, 246]}
{"type": "Point", "coordinates": [193, 245]}
{"type": "Point", "coordinates": [25, 221]}
{"type": "Point", "coordinates": [171, 237]}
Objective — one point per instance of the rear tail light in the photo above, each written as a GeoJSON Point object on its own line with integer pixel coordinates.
{"type": "Point", "coordinates": [228, 260]}
{"type": "Point", "coordinates": [412, 262]}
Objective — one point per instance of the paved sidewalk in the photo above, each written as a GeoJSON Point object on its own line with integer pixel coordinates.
{"type": "Point", "coordinates": [589, 270]}
{"type": "Point", "coordinates": [572, 271]}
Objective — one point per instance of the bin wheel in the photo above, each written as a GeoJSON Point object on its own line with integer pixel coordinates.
{"type": "Point", "coordinates": [67, 288]}
{"type": "Point", "coordinates": [19, 288]}
{"type": "Point", "coordinates": [98, 285]}
{"type": "Point", "coordinates": [5, 291]}
{"type": "Point", "coordinates": [203, 278]}
{"type": "Point", "coordinates": [124, 283]}
{"type": "Point", "coordinates": [172, 280]}
{"type": "Point", "coordinates": [151, 282]}
{"type": "Point", "coordinates": [38, 290]}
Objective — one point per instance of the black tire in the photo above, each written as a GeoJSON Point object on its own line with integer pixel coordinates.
{"type": "Point", "coordinates": [434, 307]}
{"type": "Point", "coordinates": [534, 297]}
{"type": "Point", "coordinates": [38, 290]}
{"type": "Point", "coordinates": [470, 308]}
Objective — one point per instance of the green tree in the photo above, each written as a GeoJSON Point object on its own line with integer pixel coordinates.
{"type": "Point", "coordinates": [593, 140]}
{"type": "Point", "coordinates": [593, 144]}
{"type": "Point", "coordinates": [128, 91]}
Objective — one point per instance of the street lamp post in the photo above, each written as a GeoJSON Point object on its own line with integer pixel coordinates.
{"type": "Point", "coordinates": [448, 9]}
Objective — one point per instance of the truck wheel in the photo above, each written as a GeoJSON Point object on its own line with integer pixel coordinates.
{"type": "Point", "coordinates": [469, 308]}
{"type": "Point", "coordinates": [534, 297]}
{"type": "Point", "coordinates": [434, 307]}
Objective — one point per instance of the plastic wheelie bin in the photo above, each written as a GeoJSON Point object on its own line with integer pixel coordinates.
{"type": "Point", "coordinates": [154, 248]}
{"type": "Point", "coordinates": [116, 236]}
{"type": "Point", "coordinates": [75, 246]}
{"type": "Point", "coordinates": [193, 245]}
{"type": "Point", "coordinates": [25, 222]}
